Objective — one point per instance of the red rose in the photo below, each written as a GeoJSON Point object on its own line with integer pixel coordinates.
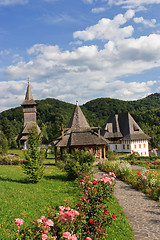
{"type": "Point", "coordinates": [91, 221]}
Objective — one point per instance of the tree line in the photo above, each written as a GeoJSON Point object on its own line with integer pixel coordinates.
{"type": "Point", "coordinates": [52, 114]}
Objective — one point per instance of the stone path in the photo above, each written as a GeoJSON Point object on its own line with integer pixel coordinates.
{"type": "Point", "coordinates": [142, 212]}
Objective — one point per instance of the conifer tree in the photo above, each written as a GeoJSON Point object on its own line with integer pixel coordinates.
{"type": "Point", "coordinates": [34, 167]}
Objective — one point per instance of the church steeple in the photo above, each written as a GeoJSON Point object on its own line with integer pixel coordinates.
{"type": "Point", "coordinates": [29, 106]}
{"type": "Point", "coordinates": [29, 109]}
{"type": "Point", "coordinates": [29, 97]}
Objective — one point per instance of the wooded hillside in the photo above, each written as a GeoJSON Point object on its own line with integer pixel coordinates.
{"type": "Point", "coordinates": [51, 113]}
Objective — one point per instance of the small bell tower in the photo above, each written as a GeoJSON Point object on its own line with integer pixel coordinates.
{"type": "Point", "coordinates": [29, 106]}
{"type": "Point", "coordinates": [29, 109]}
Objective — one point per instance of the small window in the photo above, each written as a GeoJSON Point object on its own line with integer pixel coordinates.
{"type": "Point", "coordinates": [135, 146]}
{"type": "Point", "coordinates": [139, 145]}
{"type": "Point", "coordinates": [116, 147]}
{"type": "Point", "coordinates": [144, 145]}
{"type": "Point", "coordinates": [127, 146]}
{"type": "Point", "coordinates": [123, 146]}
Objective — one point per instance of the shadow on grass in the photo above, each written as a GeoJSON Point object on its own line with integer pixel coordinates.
{"type": "Point", "coordinates": [60, 177]}
{"type": "Point", "coordinates": [49, 164]}
{"type": "Point", "coordinates": [24, 181]}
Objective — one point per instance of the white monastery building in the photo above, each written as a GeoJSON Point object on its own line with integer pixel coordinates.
{"type": "Point", "coordinates": [125, 135]}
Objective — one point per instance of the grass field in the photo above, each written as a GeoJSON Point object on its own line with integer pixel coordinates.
{"type": "Point", "coordinates": [30, 201]}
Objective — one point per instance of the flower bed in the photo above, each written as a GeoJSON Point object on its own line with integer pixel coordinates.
{"type": "Point", "coordinates": [150, 164]}
{"type": "Point", "coordinates": [89, 221]}
{"type": "Point", "coordinates": [10, 160]}
{"type": "Point", "coordinates": [146, 181]}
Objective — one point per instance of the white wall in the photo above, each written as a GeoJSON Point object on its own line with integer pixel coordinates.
{"type": "Point", "coordinates": [128, 146]}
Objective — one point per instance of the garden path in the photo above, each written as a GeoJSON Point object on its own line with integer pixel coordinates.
{"type": "Point", "coordinates": [142, 212]}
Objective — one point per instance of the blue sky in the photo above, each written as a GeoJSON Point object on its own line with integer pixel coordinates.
{"type": "Point", "coordinates": [79, 49]}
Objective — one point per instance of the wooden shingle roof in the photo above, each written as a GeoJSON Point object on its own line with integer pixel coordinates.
{"type": "Point", "coordinates": [29, 97]}
{"type": "Point", "coordinates": [123, 126]}
{"type": "Point", "coordinates": [79, 133]}
{"type": "Point", "coordinates": [78, 120]}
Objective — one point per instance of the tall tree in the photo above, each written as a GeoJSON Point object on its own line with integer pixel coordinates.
{"type": "Point", "coordinates": [34, 168]}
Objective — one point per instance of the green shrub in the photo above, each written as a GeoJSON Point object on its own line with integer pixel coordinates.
{"type": "Point", "coordinates": [78, 163]}
{"type": "Point", "coordinates": [111, 155]}
{"type": "Point", "coordinates": [34, 166]}
{"type": "Point", "coordinates": [3, 143]}
{"type": "Point", "coordinates": [120, 167]}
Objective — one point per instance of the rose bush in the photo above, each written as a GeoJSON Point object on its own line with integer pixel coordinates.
{"type": "Point", "coordinates": [88, 222]}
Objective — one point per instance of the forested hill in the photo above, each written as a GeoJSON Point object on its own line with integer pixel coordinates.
{"type": "Point", "coordinates": [51, 113]}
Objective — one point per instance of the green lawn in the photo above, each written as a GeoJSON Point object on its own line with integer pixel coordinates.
{"type": "Point", "coordinates": [30, 201]}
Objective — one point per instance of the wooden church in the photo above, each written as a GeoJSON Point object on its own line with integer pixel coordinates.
{"type": "Point", "coordinates": [125, 135]}
{"type": "Point", "coordinates": [29, 109]}
{"type": "Point", "coordinates": [79, 135]}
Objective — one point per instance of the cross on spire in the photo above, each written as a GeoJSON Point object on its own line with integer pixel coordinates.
{"type": "Point", "coordinates": [77, 102]}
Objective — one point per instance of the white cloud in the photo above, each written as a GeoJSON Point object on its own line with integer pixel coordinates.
{"type": "Point", "coordinates": [133, 3]}
{"type": "Point", "coordinates": [12, 2]}
{"type": "Point", "coordinates": [88, 1]}
{"type": "Point", "coordinates": [107, 29]}
{"type": "Point", "coordinates": [149, 23]}
{"type": "Point", "coordinates": [98, 10]}
{"type": "Point", "coordinates": [86, 72]}
{"type": "Point", "coordinates": [62, 18]}
{"type": "Point", "coordinates": [4, 52]}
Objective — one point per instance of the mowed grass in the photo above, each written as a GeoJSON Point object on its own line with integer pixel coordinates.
{"type": "Point", "coordinates": [29, 201]}
{"type": "Point", "coordinates": [19, 199]}
{"type": "Point", "coordinates": [120, 228]}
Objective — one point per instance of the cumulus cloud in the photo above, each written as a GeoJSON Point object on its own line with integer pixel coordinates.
{"type": "Point", "coordinates": [150, 23]}
{"type": "Point", "coordinates": [133, 3]}
{"type": "Point", "coordinates": [98, 10]}
{"type": "Point", "coordinates": [107, 29]}
{"type": "Point", "coordinates": [86, 72]}
{"type": "Point", "coordinates": [12, 2]}
{"type": "Point", "coordinates": [88, 1]}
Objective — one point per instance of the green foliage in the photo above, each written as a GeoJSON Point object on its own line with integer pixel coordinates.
{"type": "Point", "coordinates": [78, 163]}
{"type": "Point", "coordinates": [120, 167]}
{"type": "Point", "coordinates": [31, 201]}
{"type": "Point", "coordinates": [111, 155]}
{"type": "Point", "coordinates": [34, 166]}
{"type": "Point", "coordinates": [53, 113]}
{"type": "Point", "coordinates": [3, 143]}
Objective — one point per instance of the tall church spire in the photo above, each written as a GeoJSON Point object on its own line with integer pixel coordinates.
{"type": "Point", "coordinates": [29, 109]}
{"type": "Point", "coordinates": [78, 119]}
{"type": "Point", "coordinates": [29, 97]}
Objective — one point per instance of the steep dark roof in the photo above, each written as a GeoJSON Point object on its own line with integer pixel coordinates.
{"type": "Point", "coordinates": [78, 120]}
{"type": "Point", "coordinates": [79, 133]}
{"type": "Point", "coordinates": [29, 97]}
{"type": "Point", "coordinates": [123, 126]}
{"type": "Point", "coordinates": [28, 126]}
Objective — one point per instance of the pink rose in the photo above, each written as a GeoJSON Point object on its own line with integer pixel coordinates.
{"type": "Point", "coordinates": [43, 218]}
{"type": "Point", "coordinates": [39, 220]}
{"type": "Point", "coordinates": [44, 237]}
{"type": "Point", "coordinates": [19, 221]}
{"type": "Point", "coordinates": [61, 208]}
{"type": "Point", "coordinates": [50, 223]}
{"type": "Point", "coordinates": [68, 208]}
{"type": "Point", "coordinates": [73, 237]}
{"type": "Point", "coordinates": [67, 235]}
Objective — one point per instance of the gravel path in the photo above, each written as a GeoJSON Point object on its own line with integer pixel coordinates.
{"type": "Point", "coordinates": [142, 212]}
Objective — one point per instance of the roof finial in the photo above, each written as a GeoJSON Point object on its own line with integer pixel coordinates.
{"type": "Point", "coordinates": [76, 102]}
{"type": "Point", "coordinates": [28, 80]}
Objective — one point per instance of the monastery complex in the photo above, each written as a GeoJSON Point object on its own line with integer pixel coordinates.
{"type": "Point", "coordinates": [120, 134]}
